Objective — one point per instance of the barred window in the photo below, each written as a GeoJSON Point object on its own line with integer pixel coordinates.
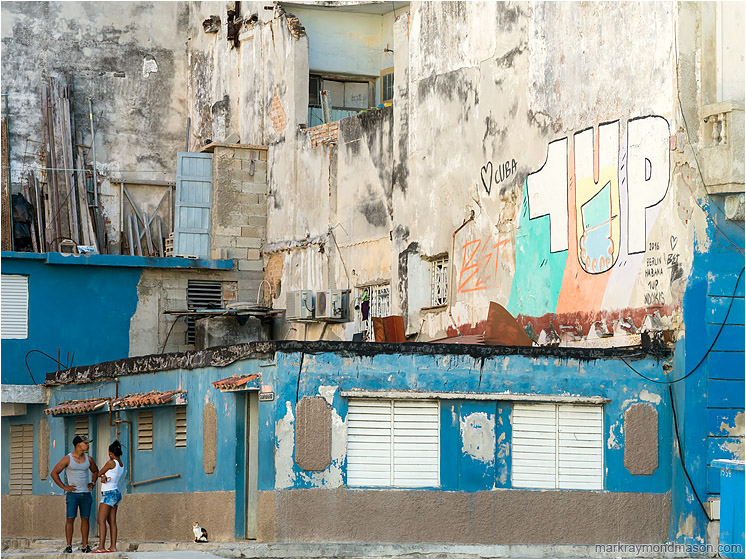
{"type": "Point", "coordinates": [439, 282]}
{"type": "Point", "coordinates": [378, 300]}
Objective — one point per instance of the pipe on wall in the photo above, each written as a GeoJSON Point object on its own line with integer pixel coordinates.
{"type": "Point", "coordinates": [450, 264]}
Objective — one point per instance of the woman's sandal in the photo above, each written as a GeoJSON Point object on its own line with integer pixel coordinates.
{"type": "Point", "coordinates": [98, 551]}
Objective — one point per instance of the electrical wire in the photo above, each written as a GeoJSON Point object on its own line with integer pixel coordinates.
{"type": "Point", "coordinates": [681, 454]}
{"type": "Point", "coordinates": [722, 325]}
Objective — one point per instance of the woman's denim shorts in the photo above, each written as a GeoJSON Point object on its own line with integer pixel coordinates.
{"type": "Point", "coordinates": [111, 497]}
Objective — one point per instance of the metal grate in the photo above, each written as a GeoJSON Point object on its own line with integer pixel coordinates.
{"type": "Point", "coordinates": [181, 427]}
{"type": "Point", "coordinates": [380, 306]}
{"type": "Point", "coordinates": [202, 294]}
{"type": "Point", "coordinates": [439, 282]}
{"type": "Point", "coordinates": [145, 430]}
{"type": "Point", "coordinates": [21, 459]}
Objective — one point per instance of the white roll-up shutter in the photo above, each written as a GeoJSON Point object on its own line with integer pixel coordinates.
{"type": "Point", "coordinates": [580, 447]}
{"type": "Point", "coordinates": [393, 443]}
{"type": "Point", "coordinates": [557, 446]}
{"type": "Point", "coordinates": [14, 306]}
{"type": "Point", "coordinates": [534, 445]}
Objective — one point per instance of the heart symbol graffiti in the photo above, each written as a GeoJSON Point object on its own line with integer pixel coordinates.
{"type": "Point", "coordinates": [487, 177]}
{"type": "Point", "coordinates": [674, 241]}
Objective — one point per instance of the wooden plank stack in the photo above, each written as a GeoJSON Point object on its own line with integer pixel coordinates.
{"type": "Point", "coordinates": [66, 209]}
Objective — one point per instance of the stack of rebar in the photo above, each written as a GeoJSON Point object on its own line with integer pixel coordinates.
{"type": "Point", "coordinates": [65, 212]}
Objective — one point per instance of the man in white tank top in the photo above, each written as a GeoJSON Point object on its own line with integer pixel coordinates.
{"type": "Point", "coordinates": [78, 489]}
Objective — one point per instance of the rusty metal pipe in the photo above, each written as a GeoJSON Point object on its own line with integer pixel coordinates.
{"type": "Point", "coordinates": [450, 264]}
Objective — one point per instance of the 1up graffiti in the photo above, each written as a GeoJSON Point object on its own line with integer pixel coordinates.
{"type": "Point", "coordinates": [619, 185]}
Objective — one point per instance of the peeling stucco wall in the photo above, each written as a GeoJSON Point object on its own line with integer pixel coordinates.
{"type": "Point", "coordinates": [128, 57]}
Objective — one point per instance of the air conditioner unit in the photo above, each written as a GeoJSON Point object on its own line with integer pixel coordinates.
{"type": "Point", "coordinates": [331, 305]}
{"type": "Point", "coordinates": [300, 305]}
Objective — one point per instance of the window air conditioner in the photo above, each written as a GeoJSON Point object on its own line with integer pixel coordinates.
{"type": "Point", "coordinates": [300, 305]}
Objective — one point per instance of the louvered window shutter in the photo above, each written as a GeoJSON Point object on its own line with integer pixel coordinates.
{"type": "Point", "coordinates": [145, 430]}
{"type": "Point", "coordinates": [181, 426]}
{"type": "Point", "coordinates": [193, 205]}
{"type": "Point", "coordinates": [21, 459]}
{"type": "Point", "coordinates": [14, 306]}
{"type": "Point", "coordinates": [393, 443]}
{"type": "Point", "coordinates": [557, 446]}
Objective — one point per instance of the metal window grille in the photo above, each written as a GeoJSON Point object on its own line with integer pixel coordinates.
{"type": "Point", "coordinates": [145, 430]}
{"type": "Point", "coordinates": [81, 426]}
{"type": "Point", "coordinates": [393, 443]}
{"type": "Point", "coordinates": [202, 294]}
{"type": "Point", "coordinates": [380, 306]}
{"type": "Point", "coordinates": [14, 308]}
{"type": "Point", "coordinates": [558, 446]}
{"type": "Point", "coordinates": [21, 459]}
{"type": "Point", "coordinates": [439, 282]}
{"type": "Point", "coordinates": [181, 426]}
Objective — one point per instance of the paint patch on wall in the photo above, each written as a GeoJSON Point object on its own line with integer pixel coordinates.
{"type": "Point", "coordinates": [641, 439]}
{"type": "Point", "coordinates": [332, 477]}
{"type": "Point", "coordinates": [313, 434]}
{"type": "Point", "coordinates": [284, 474]}
{"type": "Point", "coordinates": [44, 449]}
{"type": "Point", "coordinates": [478, 436]}
{"type": "Point", "coordinates": [149, 66]}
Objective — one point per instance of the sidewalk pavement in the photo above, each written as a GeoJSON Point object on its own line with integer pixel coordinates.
{"type": "Point", "coordinates": [52, 548]}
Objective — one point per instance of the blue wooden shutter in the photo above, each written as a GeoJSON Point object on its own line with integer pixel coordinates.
{"type": "Point", "coordinates": [193, 205]}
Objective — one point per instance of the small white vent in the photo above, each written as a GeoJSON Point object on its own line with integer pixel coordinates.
{"type": "Point", "coordinates": [14, 306]}
{"type": "Point", "coordinates": [145, 430]}
{"type": "Point", "coordinates": [181, 426]}
{"type": "Point", "coordinates": [21, 459]}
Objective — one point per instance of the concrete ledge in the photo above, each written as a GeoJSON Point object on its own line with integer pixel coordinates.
{"type": "Point", "coordinates": [122, 260]}
{"type": "Point", "coordinates": [25, 394]}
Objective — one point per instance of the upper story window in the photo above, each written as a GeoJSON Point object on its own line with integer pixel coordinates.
{"type": "Point", "coordinates": [373, 301]}
{"type": "Point", "coordinates": [558, 446]}
{"type": "Point", "coordinates": [14, 310]}
{"type": "Point", "coordinates": [387, 85]}
{"type": "Point", "coordinates": [345, 96]}
{"type": "Point", "coordinates": [439, 282]}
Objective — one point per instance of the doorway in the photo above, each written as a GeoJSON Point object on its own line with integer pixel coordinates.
{"type": "Point", "coordinates": [251, 448]}
{"type": "Point", "coordinates": [103, 439]}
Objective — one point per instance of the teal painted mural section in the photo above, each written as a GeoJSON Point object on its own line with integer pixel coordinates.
{"type": "Point", "coordinates": [538, 273]}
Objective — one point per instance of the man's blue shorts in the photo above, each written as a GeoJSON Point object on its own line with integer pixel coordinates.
{"type": "Point", "coordinates": [75, 500]}
{"type": "Point", "coordinates": [111, 498]}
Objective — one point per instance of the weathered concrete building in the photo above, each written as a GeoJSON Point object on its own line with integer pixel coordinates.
{"type": "Point", "coordinates": [428, 159]}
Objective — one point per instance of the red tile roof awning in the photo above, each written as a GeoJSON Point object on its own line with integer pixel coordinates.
{"type": "Point", "coordinates": [78, 407]}
{"type": "Point", "coordinates": [239, 383]}
{"type": "Point", "coordinates": [153, 398]}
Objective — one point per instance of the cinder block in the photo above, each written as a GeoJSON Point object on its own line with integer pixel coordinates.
{"type": "Point", "coordinates": [249, 242]}
{"type": "Point", "coordinates": [250, 265]}
{"type": "Point", "coordinates": [237, 253]}
{"type": "Point", "coordinates": [258, 220]}
{"type": "Point", "coordinates": [227, 230]}
{"type": "Point", "coordinates": [253, 254]}
{"type": "Point", "coordinates": [253, 231]}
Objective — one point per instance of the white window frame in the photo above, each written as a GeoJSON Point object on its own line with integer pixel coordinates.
{"type": "Point", "coordinates": [558, 446]}
{"type": "Point", "coordinates": [393, 443]}
{"type": "Point", "coordinates": [380, 306]}
{"type": "Point", "coordinates": [439, 282]}
{"type": "Point", "coordinates": [14, 306]}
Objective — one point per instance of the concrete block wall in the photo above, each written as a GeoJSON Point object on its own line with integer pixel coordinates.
{"type": "Point", "coordinates": [239, 212]}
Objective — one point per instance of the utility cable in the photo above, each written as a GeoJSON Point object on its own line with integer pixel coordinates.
{"type": "Point", "coordinates": [681, 454]}
{"type": "Point", "coordinates": [722, 325]}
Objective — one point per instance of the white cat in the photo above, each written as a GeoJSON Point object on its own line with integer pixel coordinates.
{"type": "Point", "coordinates": [200, 534]}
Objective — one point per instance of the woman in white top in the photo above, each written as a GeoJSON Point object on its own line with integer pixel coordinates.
{"type": "Point", "coordinates": [109, 475]}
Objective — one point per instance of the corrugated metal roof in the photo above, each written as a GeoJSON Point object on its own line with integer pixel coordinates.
{"type": "Point", "coordinates": [152, 398]}
{"type": "Point", "coordinates": [77, 407]}
{"type": "Point", "coordinates": [236, 382]}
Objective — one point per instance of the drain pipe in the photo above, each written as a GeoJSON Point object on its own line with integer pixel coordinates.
{"type": "Point", "coordinates": [453, 251]}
